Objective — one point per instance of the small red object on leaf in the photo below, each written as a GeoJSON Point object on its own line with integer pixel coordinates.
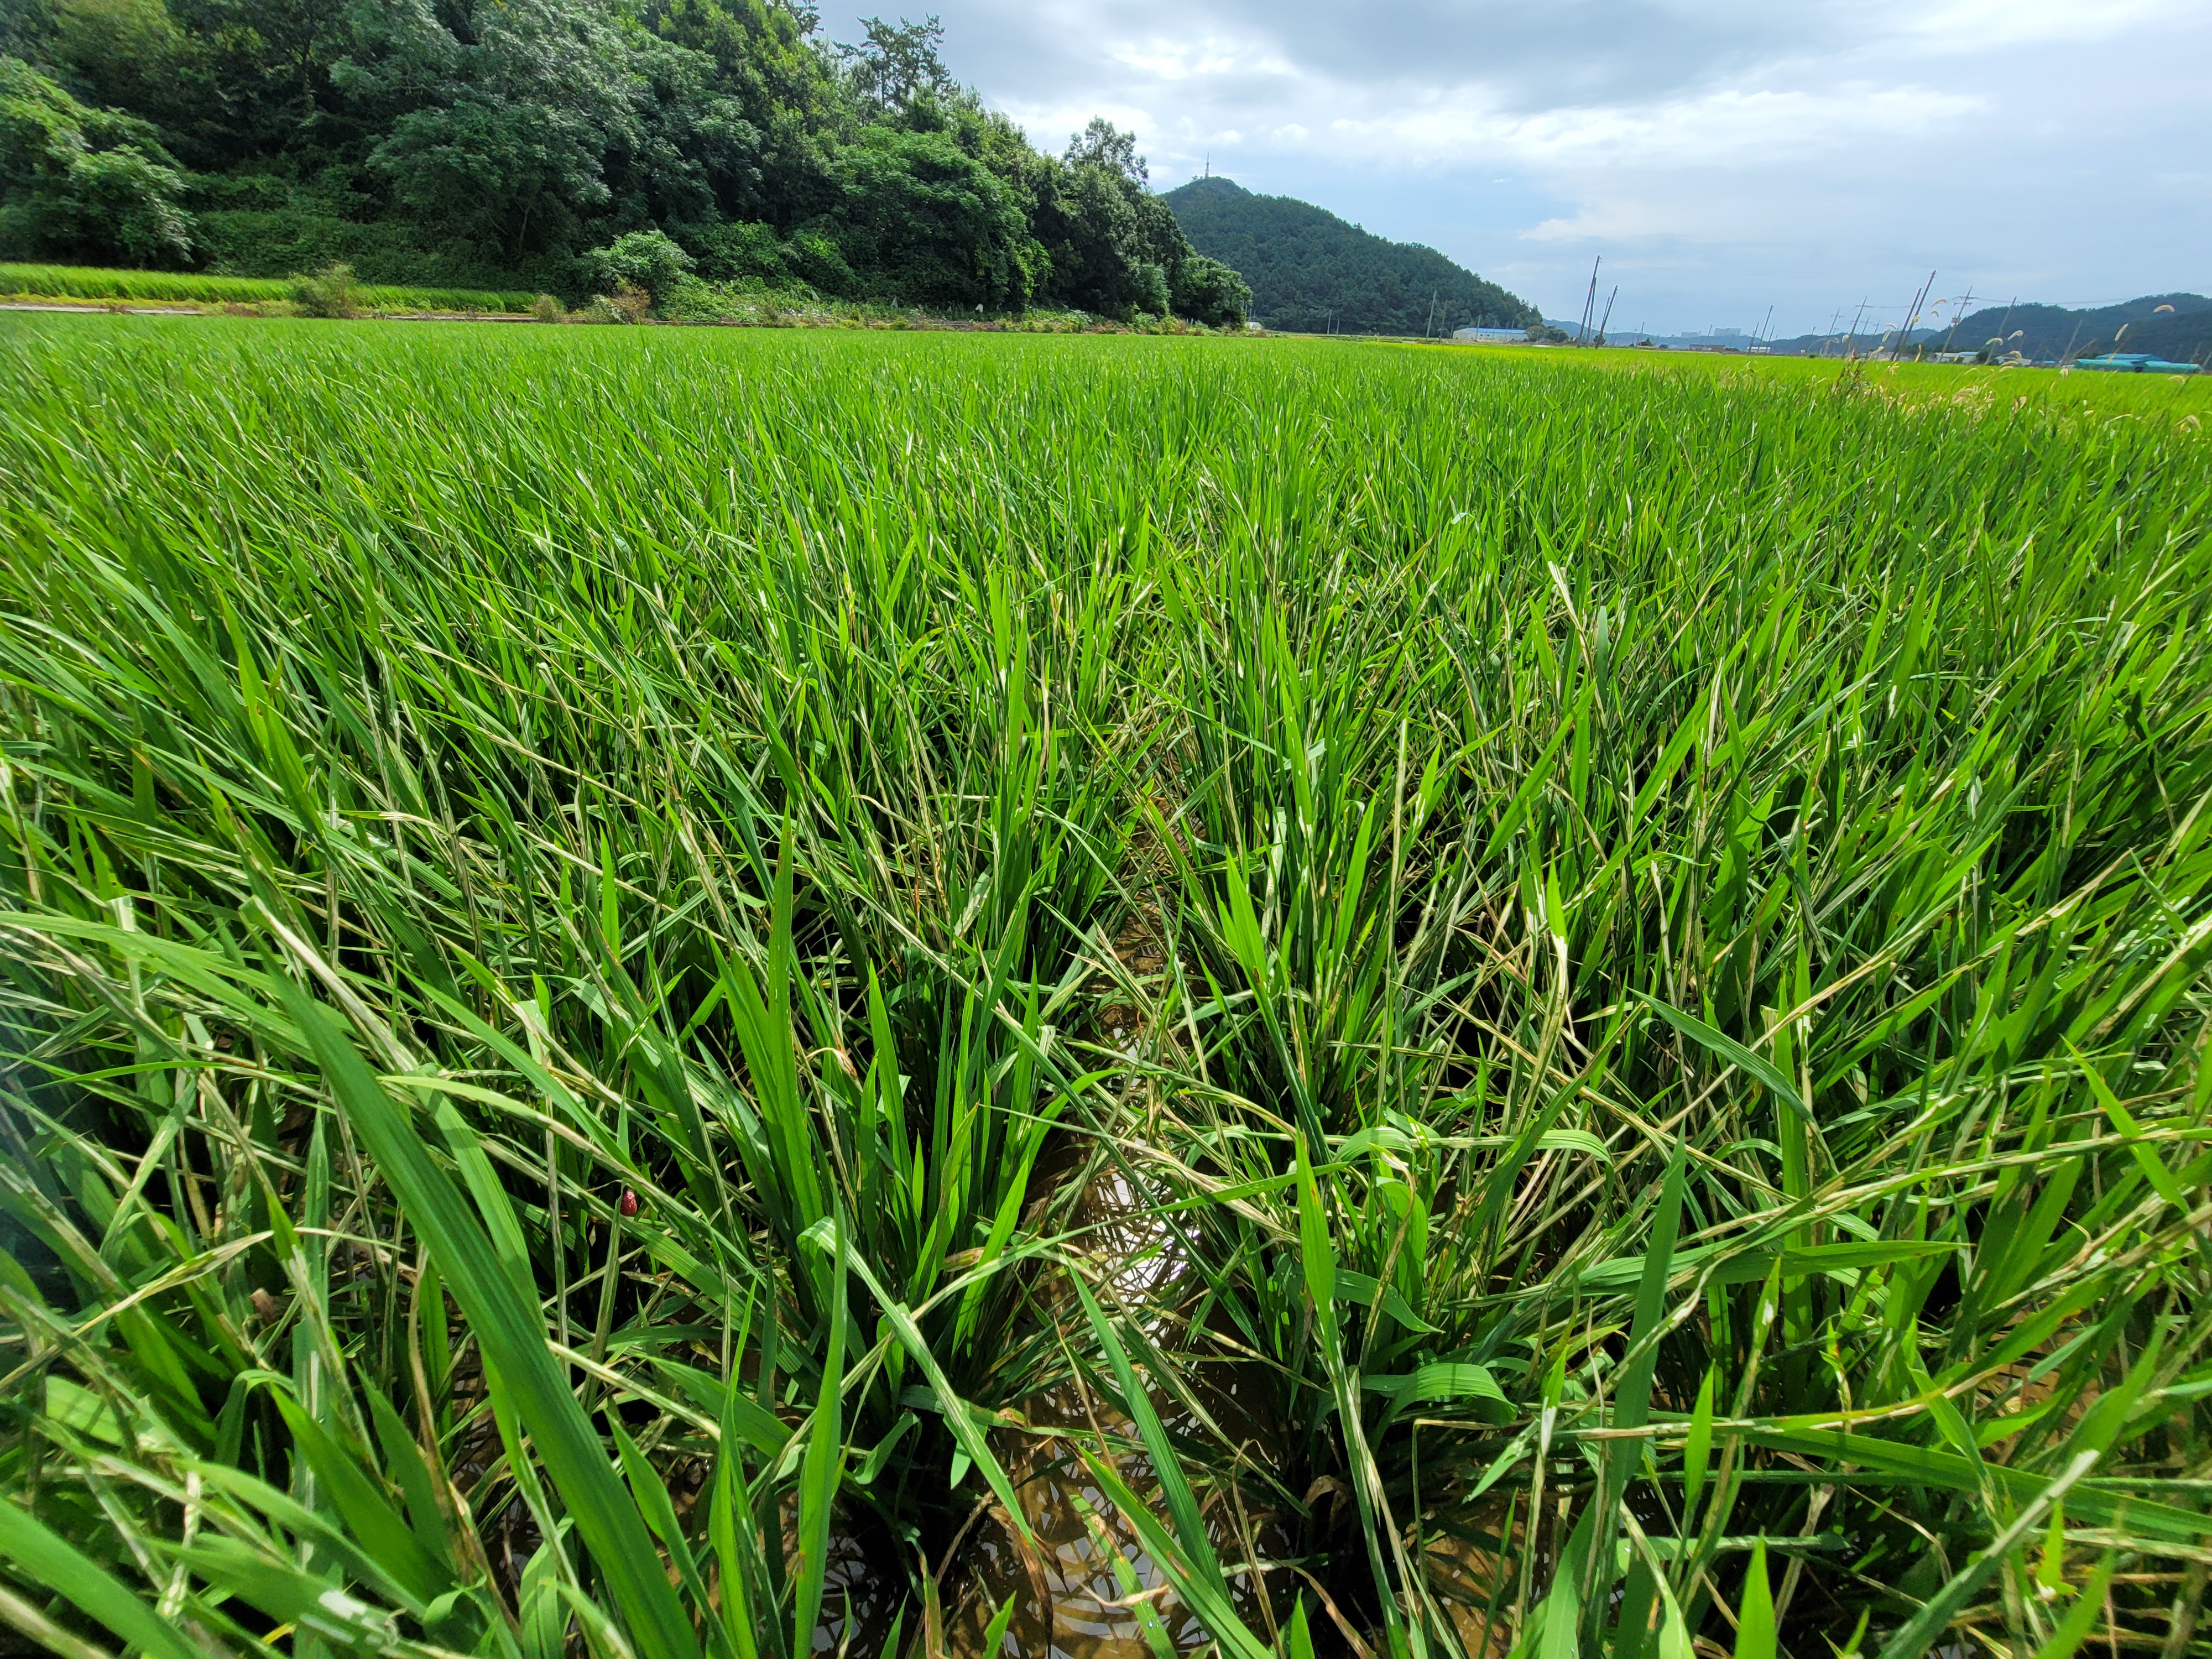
{"type": "Point", "coordinates": [629, 1203]}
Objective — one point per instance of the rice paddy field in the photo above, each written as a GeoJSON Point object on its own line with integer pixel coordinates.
{"type": "Point", "coordinates": [20, 282]}
{"type": "Point", "coordinates": [699, 992]}
{"type": "Point", "coordinates": [2071, 392]}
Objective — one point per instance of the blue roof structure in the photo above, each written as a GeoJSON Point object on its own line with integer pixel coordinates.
{"type": "Point", "coordinates": [2136, 362]}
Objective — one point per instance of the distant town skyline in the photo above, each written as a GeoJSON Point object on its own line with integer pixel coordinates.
{"type": "Point", "coordinates": [1722, 158]}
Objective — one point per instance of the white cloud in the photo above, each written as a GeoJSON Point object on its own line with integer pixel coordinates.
{"type": "Point", "coordinates": [1167, 60]}
{"type": "Point", "coordinates": [1726, 127]}
{"type": "Point", "coordinates": [1980, 25]}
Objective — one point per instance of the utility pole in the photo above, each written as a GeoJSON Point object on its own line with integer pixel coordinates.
{"type": "Point", "coordinates": [1826, 338]}
{"type": "Point", "coordinates": [1851, 340]}
{"type": "Point", "coordinates": [1590, 302]}
{"type": "Point", "coordinates": [1919, 300]}
{"type": "Point", "coordinates": [1764, 326]}
{"type": "Point", "coordinates": [1911, 316]}
{"type": "Point", "coordinates": [1603, 326]}
{"type": "Point", "coordinates": [1430, 327]}
{"type": "Point", "coordinates": [1956, 316]}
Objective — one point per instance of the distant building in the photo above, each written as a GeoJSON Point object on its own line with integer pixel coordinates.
{"type": "Point", "coordinates": [1492, 336]}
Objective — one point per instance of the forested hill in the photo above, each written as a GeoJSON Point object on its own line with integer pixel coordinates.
{"type": "Point", "coordinates": [1307, 266]}
{"type": "Point", "coordinates": [2186, 338]}
{"type": "Point", "coordinates": [2176, 325]}
{"type": "Point", "coordinates": [563, 145]}
{"type": "Point", "coordinates": [2039, 331]}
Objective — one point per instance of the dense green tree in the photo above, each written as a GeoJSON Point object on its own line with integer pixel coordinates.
{"type": "Point", "coordinates": [1206, 291]}
{"type": "Point", "coordinates": [254, 80]}
{"type": "Point", "coordinates": [83, 183]}
{"type": "Point", "coordinates": [126, 53]}
{"type": "Point", "coordinates": [785, 88]}
{"type": "Point", "coordinates": [509, 110]}
{"type": "Point", "coordinates": [645, 260]}
{"type": "Point", "coordinates": [26, 30]}
{"type": "Point", "coordinates": [1101, 144]}
{"type": "Point", "coordinates": [1115, 247]}
{"type": "Point", "coordinates": [495, 142]}
{"type": "Point", "coordinates": [895, 64]}
{"type": "Point", "coordinates": [920, 221]}
{"type": "Point", "coordinates": [689, 155]}
{"type": "Point", "coordinates": [1087, 225]}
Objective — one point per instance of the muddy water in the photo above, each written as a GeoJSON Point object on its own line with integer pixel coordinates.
{"type": "Point", "coordinates": [1077, 1594]}
{"type": "Point", "coordinates": [1070, 1600]}
{"type": "Point", "coordinates": [1469, 1582]}
{"type": "Point", "coordinates": [1070, 1603]}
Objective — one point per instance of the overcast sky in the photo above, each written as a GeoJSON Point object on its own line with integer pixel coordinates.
{"type": "Point", "coordinates": [1721, 156]}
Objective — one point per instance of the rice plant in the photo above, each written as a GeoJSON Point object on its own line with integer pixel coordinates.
{"type": "Point", "coordinates": [753, 993]}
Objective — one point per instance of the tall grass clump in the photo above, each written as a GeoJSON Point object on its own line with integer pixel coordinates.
{"type": "Point", "coordinates": [749, 994]}
{"type": "Point", "coordinates": [333, 291]}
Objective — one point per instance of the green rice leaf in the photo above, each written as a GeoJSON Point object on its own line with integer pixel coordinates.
{"type": "Point", "coordinates": [512, 1336]}
{"type": "Point", "coordinates": [41, 1556]}
{"type": "Point", "coordinates": [1729, 1050]}
{"type": "Point", "coordinates": [2073, 1628]}
{"type": "Point", "coordinates": [1754, 1618]}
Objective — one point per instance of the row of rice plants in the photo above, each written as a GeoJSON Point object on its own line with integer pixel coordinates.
{"type": "Point", "coordinates": [86, 282]}
{"type": "Point", "coordinates": [2068, 392]}
{"type": "Point", "coordinates": [754, 993]}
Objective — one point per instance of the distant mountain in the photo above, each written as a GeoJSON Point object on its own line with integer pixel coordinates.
{"type": "Point", "coordinates": [1309, 270]}
{"type": "Point", "coordinates": [2052, 331]}
{"type": "Point", "coordinates": [2183, 338]}
{"type": "Point", "coordinates": [2171, 325]}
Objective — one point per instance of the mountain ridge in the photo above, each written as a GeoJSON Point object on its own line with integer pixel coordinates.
{"type": "Point", "coordinates": [2047, 331]}
{"type": "Point", "coordinates": [2170, 325]}
{"type": "Point", "coordinates": [1312, 271]}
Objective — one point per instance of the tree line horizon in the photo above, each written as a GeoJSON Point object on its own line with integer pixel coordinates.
{"type": "Point", "coordinates": [549, 143]}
